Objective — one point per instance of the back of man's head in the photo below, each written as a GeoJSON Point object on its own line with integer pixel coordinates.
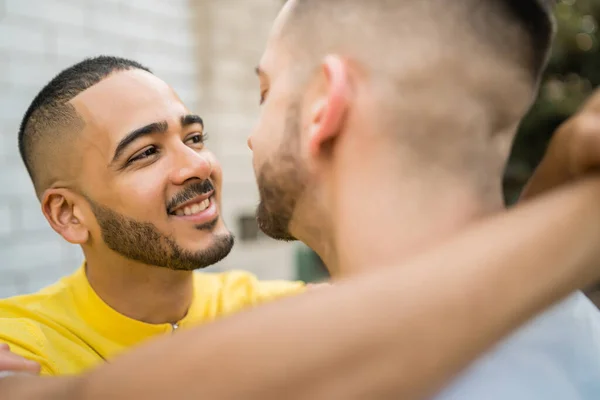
{"type": "Point", "coordinates": [520, 30]}
{"type": "Point", "coordinates": [50, 121]}
{"type": "Point", "coordinates": [457, 73]}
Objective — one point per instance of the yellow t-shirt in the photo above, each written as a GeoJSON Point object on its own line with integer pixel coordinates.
{"type": "Point", "coordinates": [67, 328]}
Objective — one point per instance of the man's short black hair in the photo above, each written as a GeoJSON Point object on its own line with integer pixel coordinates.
{"type": "Point", "coordinates": [49, 111]}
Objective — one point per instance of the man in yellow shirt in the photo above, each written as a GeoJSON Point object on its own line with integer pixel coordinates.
{"type": "Point", "coordinates": [378, 335]}
{"type": "Point", "coordinates": [123, 171]}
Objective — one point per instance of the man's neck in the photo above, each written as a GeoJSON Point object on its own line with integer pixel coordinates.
{"type": "Point", "coordinates": [145, 293]}
{"type": "Point", "coordinates": [391, 222]}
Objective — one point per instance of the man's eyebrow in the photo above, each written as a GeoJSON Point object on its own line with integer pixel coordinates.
{"type": "Point", "coordinates": [191, 119]}
{"type": "Point", "coordinates": [155, 127]}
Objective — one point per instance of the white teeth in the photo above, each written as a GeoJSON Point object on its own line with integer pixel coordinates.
{"type": "Point", "coordinates": [194, 208]}
{"type": "Point", "coordinates": [204, 205]}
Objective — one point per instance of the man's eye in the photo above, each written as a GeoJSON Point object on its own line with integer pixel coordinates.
{"type": "Point", "coordinates": [149, 152]}
{"type": "Point", "coordinates": [198, 138]}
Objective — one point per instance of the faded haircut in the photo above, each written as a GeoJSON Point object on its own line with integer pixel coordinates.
{"type": "Point", "coordinates": [50, 116]}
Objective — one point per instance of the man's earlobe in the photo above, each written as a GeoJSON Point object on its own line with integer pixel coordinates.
{"type": "Point", "coordinates": [61, 209]}
{"type": "Point", "coordinates": [330, 106]}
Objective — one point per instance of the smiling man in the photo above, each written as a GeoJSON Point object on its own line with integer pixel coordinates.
{"type": "Point", "coordinates": [121, 169]}
{"type": "Point", "coordinates": [397, 332]}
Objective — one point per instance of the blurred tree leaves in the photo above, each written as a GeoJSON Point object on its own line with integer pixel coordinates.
{"type": "Point", "coordinates": [572, 73]}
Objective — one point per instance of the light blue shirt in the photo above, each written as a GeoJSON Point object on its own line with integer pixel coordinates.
{"type": "Point", "coordinates": [554, 357]}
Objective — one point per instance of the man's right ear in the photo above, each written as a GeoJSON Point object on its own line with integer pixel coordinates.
{"type": "Point", "coordinates": [331, 104]}
{"type": "Point", "coordinates": [61, 207]}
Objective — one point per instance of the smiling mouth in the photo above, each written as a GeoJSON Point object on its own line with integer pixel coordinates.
{"type": "Point", "coordinates": [193, 206]}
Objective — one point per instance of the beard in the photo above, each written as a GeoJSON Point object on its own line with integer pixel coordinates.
{"type": "Point", "coordinates": [282, 181]}
{"type": "Point", "coordinates": [143, 242]}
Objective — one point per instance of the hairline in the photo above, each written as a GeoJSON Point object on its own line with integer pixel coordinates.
{"type": "Point", "coordinates": [70, 120]}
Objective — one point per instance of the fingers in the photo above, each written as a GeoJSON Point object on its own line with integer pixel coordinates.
{"type": "Point", "coordinates": [10, 362]}
{"type": "Point", "coordinates": [581, 141]}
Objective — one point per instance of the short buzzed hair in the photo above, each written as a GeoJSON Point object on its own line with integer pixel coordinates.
{"type": "Point", "coordinates": [492, 21]}
{"type": "Point", "coordinates": [49, 116]}
{"type": "Point", "coordinates": [446, 74]}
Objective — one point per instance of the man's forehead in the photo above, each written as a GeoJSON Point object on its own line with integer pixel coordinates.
{"type": "Point", "coordinates": [127, 100]}
{"type": "Point", "coordinates": [274, 59]}
{"type": "Point", "coordinates": [276, 51]}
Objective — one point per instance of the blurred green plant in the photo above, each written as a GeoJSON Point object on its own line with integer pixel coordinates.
{"type": "Point", "coordinates": [573, 72]}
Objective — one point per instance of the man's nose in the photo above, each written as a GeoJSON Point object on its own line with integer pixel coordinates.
{"type": "Point", "coordinates": [191, 164]}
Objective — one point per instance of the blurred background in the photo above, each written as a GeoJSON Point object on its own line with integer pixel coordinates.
{"type": "Point", "coordinates": [207, 50]}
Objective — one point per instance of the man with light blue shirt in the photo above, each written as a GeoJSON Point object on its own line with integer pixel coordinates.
{"type": "Point", "coordinates": [385, 129]}
{"type": "Point", "coordinates": [556, 356]}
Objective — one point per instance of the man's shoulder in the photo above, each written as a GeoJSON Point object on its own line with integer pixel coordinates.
{"type": "Point", "coordinates": [239, 277]}
{"type": "Point", "coordinates": [575, 321]}
{"type": "Point", "coordinates": [222, 276]}
{"type": "Point", "coordinates": [217, 281]}
{"type": "Point", "coordinates": [39, 326]}
{"type": "Point", "coordinates": [554, 356]}
{"type": "Point", "coordinates": [567, 332]}
{"type": "Point", "coordinates": [245, 286]}
{"type": "Point", "coordinates": [49, 297]}
{"type": "Point", "coordinates": [27, 337]}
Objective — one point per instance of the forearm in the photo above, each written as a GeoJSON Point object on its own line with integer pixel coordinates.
{"type": "Point", "coordinates": [26, 387]}
{"type": "Point", "coordinates": [399, 333]}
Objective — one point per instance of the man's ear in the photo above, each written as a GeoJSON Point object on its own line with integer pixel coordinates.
{"type": "Point", "coordinates": [330, 105]}
{"type": "Point", "coordinates": [62, 209]}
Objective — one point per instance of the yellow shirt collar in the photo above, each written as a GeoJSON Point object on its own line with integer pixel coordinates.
{"type": "Point", "coordinates": [115, 326]}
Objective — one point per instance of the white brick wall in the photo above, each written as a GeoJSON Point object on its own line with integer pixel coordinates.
{"type": "Point", "coordinates": [206, 49]}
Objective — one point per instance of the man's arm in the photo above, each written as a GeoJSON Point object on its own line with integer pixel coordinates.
{"type": "Point", "coordinates": [402, 332]}
{"type": "Point", "coordinates": [573, 151]}
{"type": "Point", "coordinates": [27, 387]}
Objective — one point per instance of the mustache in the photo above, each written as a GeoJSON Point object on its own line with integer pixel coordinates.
{"type": "Point", "coordinates": [193, 190]}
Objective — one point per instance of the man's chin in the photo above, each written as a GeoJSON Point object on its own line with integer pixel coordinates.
{"type": "Point", "coordinates": [274, 232]}
{"type": "Point", "coordinates": [284, 238]}
{"type": "Point", "coordinates": [208, 253]}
